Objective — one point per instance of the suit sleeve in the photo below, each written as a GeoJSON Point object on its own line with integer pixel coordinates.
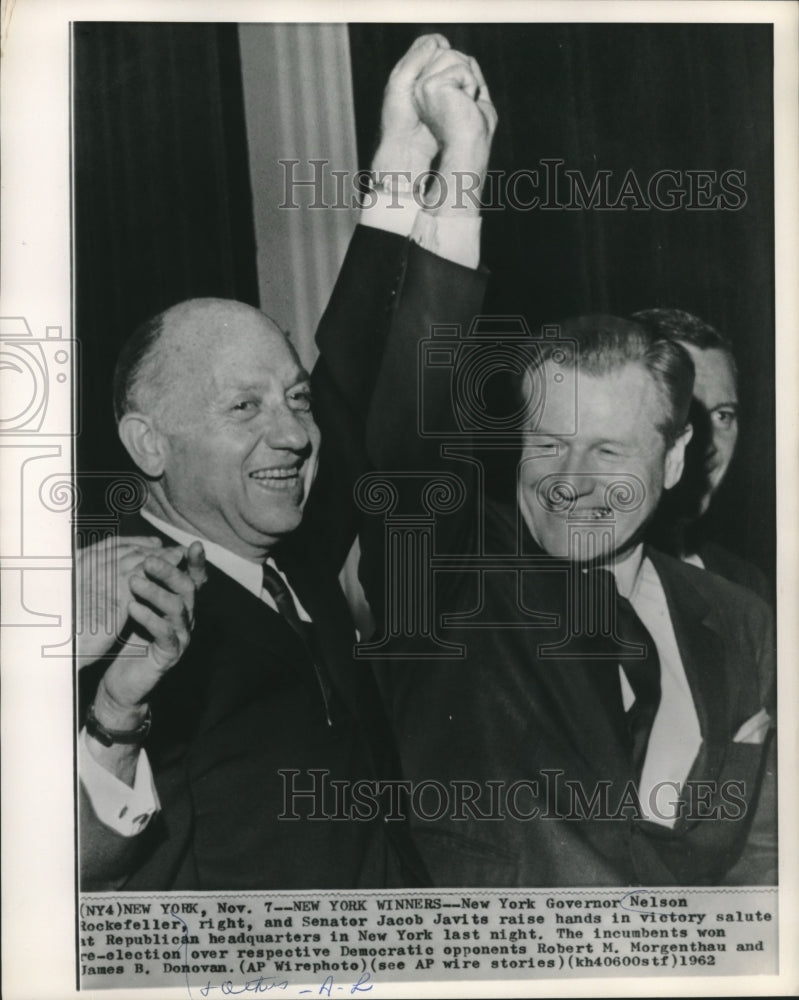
{"type": "Point", "coordinates": [758, 863]}
{"type": "Point", "coordinates": [106, 857]}
{"type": "Point", "coordinates": [388, 294]}
{"type": "Point", "coordinates": [432, 292]}
{"type": "Point", "coordinates": [350, 337]}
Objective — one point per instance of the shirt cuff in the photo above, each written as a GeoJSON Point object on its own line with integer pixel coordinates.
{"type": "Point", "coordinates": [125, 810]}
{"type": "Point", "coordinates": [450, 237]}
{"type": "Point", "coordinates": [455, 239]}
{"type": "Point", "coordinates": [393, 211]}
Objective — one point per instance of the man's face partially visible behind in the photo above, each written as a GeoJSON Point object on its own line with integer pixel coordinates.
{"type": "Point", "coordinates": [715, 390]}
{"type": "Point", "coordinates": [617, 440]}
{"type": "Point", "coordinates": [241, 440]}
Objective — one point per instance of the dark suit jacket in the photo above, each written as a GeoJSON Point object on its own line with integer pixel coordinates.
{"type": "Point", "coordinates": [504, 713]}
{"type": "Point", "coordinates": [724, 562]}
{"type": "Point", "coordinates": [245, 701]}
{"type": "Point", "coordinates": [678, 538]}
{"type": "Point", "coordinates": [242, 705]}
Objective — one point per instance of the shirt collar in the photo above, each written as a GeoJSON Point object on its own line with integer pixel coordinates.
{"type": "Point", "coordinates": [627, 570]}
{"type": "Point", "coordinates": [244, 571]}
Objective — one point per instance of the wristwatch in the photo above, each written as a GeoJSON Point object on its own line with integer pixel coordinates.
{"type": "Point", "coordinates": [110, 736]}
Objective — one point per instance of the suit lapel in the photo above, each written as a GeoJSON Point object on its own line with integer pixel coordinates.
{"type": "Point", "coordinates": [352, 680]}
{"type": "Point", "coordinates": [333, 630]}
{"type": "Point", "coordinates": [702, 651]}
{"type": "Point", "coordinates": [240, 649]}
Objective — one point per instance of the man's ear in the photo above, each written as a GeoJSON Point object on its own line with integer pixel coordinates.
{"type": "Point", "coordinates": [145, 444]}
{"type": "Point", "coordinates": [675, 459]}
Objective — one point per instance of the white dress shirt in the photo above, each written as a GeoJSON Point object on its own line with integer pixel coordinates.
{"type": "Point", "coordinates": [676, 737]}
{"type": "Point", "coordinates": [247, 572]}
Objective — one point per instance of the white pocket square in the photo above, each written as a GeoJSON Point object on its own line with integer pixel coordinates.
{"type": "Point", "coordinates": [754, 730]}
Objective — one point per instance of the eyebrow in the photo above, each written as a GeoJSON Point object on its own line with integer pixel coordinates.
{"type": "Point", "coordinates": [300, 378]}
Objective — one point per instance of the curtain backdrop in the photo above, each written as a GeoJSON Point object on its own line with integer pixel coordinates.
{"type": "Point", "coordinates": [298, 108]}
{"type": "Point", "coordinates": [641, 98]}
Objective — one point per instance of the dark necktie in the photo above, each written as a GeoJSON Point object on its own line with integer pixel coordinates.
{"type": "Point", "coordinates": [642, 670]}
{"type": "Point", "coordinates": [280, 593]}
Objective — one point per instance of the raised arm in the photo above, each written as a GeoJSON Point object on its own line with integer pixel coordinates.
{"type": "Point", "coordinates": [368, 293]}
{"type": "Point", "coordinates": [452, 100]}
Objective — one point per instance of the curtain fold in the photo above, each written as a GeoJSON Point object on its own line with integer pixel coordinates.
{"type": "Point", "coordinates": [299, 109]}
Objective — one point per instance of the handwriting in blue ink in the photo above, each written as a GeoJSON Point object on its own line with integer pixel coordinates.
{"type": "Point", "coordinates": [260, 985]}
{"type": "Point", "coordinates": [264, 984]}
{"type": "Point", "coordinates": [326, 989]}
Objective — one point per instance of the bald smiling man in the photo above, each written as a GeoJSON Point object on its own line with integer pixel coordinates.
{"type": "Point", "coordinates": [215, 408]}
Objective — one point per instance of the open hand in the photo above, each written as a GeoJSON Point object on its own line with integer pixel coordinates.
{"type": "Point", "coordinates": [133, 588]}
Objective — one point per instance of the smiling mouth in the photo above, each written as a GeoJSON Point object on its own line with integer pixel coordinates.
{"type": "Point", "coordinates": [281, 479]}
{"type": "Point", "coordinates": [590, 514]}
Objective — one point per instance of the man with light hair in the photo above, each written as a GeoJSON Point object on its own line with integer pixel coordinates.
{"type": "Point", "coordinates": [602, 715]}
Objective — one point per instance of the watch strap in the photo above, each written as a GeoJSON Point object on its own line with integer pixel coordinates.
{"type": "Point", "coordinates": [108, 737]}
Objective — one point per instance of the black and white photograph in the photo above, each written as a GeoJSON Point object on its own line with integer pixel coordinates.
{"type": "Point", "coordinates": [400, 504]}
